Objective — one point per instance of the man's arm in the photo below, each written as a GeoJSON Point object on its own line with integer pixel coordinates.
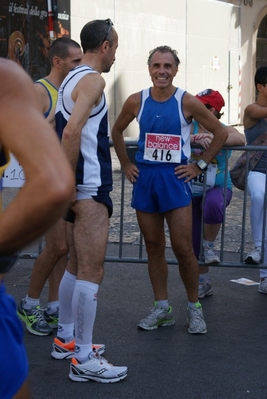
{"type": "Point", "coordinates": [193, 108]}
{"type": "Point", "coordinates": [126, 116]}
{"type": "Point", "coordinates": [234, 137]}
{"type": "Point", "coordinates": [49, 180]}
{"type": "Point", "coordinates": [86, 96]}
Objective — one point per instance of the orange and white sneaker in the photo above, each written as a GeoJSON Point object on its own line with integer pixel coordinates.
{"type": "Point", "coordinates": [96, 368]}
{"type": "Point", "coordinates": [65, 350]}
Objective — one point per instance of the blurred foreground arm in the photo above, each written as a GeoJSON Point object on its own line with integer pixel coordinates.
{"type": "Point", "coordinates": [49, 179]}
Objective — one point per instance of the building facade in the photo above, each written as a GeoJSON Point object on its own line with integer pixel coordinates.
{"type": "Point", "coordinates": [220, 43]}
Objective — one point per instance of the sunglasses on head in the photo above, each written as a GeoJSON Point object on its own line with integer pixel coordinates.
{"type": "Point", "coordinates": [109, 24]}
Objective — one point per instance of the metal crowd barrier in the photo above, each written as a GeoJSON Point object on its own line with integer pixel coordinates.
{"type": "Point", "coordinates": [126, 243]}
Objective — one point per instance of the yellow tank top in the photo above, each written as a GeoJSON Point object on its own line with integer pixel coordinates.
{"type": "Point", "coordinates": [52, 92]}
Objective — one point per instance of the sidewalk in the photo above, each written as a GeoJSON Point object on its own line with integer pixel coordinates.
{"type": "Point", "coordinates": [229, 362]}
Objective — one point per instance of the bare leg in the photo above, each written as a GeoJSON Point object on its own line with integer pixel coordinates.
{"type": "Point", "coordinates": [55, 278]}
{"type": "Point", "coordinates": [90, 235]}
{"type": "Point", "coordinates": [56, 248]}
{"type": "Point", "coordinates": [180, 226]}
{"type": "Point", "coordinates": [23, 392]}
{"type": "Point", "coordinates": [152, 227]}
{"type": "Point", "coordinates": [210, 233]}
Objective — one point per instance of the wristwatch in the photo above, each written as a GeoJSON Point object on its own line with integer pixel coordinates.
{"type": "Point", "coordinates": [202, 165]}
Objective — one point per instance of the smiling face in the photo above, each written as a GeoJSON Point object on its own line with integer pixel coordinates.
{"type": "Point", "coordinates": [162, 69]}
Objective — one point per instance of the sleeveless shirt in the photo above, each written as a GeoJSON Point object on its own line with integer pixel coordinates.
{"type": "Point", "coordinates": [93, 172]}
{"type": "Point", "coordinates": [251, 134]}
{"type": "Point", "coordinates": [52, 92]}
{"type": "Point", "coordinates": [165, 117]}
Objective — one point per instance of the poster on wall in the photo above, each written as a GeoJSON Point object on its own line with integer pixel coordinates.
{"type": "Point", "coordinates": [24, 32]}
{"type": "Point", "coordinates": [25, 38]}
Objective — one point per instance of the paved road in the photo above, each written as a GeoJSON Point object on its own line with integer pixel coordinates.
{"type": "Point", "coordinates": [229, 362]}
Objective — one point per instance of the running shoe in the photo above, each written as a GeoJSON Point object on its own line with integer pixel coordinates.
{"type": "Point", "coordinates": [204, 289]}
{"type": "Point", "coordinates": [157, 317]}
{"type": "Point", "coordinates": [263, 286]}
{"type": "Point", "coordinates": [196, 320]}
{"type": "Point", "coordinates": [97, 369]}
{"type": "Point", "coordinates": [254, 257]}
{"type": "Point", "coordinates": [34, 320]}
{"type": "Point", "coordinates": [65, 350]}
{"type": "Point", "coordinates": [210, 256]}
{"type": "Point", "coordinates": [51, 318]}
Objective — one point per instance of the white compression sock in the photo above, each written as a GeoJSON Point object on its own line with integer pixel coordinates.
{"type": "Point", "coordinates": [84, 304]}
{"type": "Point", "coordinates": [65, 294]}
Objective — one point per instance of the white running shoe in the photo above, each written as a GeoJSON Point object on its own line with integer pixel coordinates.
{"type": "Point", "coordinates": [97, 369]}
{"type": "Point", "coordinates": [263, 286]}
{"type": "Point", "coordinates": [157, 317]}
{"type": "Point", "coordinates": [210, 256]}
{"type": "Point", "coordinates": [254, 257]}
{"type": "Point", "coordinates": [196, 320]}
{"type": "Point", "coordinates": [204, 289]}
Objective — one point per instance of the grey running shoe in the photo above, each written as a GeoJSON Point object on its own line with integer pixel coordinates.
{"type": "Point", "coordinates": [196, 320]}
{"type": "Point", "coordinates": [210, 256]}
{"type": "Point", "coordinates": [263, 286]}
{"type": "Point", "coordinates": [51, 318]}
{"type": "Point", "coordinates": [34, 320]}
{"type": "Point", "coordinates": [204, 289]}
{"type": "Point", "coordinates": [97, 369]}
{"type": "Point", "coordinates": [157, 317]}
{"type": "Point", "coordinates": [254, 257]}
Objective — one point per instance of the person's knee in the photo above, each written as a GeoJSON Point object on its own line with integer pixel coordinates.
{"type": "Point", "coordinates": [155, 248]}
{"type": "Point", "coordinates": [214, 212]}
{"type": "Point", "coordinates": [58, 248]}
{"type": "Point", "coordinates": [93, 273]}
{"type": "Point", "coordinates": [183, 249]}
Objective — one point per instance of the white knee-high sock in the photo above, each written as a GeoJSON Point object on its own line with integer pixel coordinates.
{"type": "Point", "coordinates": [84, 304]}
{"type": "Point", "coordinates": [65, 294]}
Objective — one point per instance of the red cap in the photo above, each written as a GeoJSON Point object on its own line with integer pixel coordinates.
{"type": "Point", "coordinates": [211, 97]}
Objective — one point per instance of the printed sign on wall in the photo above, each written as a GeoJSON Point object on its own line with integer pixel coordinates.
{"type": "Point", "coordinates": [13, 175]}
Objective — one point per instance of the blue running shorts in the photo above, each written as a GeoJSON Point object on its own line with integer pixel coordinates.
{"type": "Point", "coordinates": [14, 362]}
{"type": "Point", "coordinates": [158, 189]}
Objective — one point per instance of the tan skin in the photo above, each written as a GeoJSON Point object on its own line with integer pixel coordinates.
{"type": "Point", "coordinates": [258, 110]}
{"type": "Point", "coordinates": [91, 217]}
{"type": "Point", "coordinates": [162, 70]}
{"type": "Point", "coordinates": [51, 263]}
{"type": "Point", "coordinates": [204, 138]}
{"type": "Point", "coordinates": [45, 195]}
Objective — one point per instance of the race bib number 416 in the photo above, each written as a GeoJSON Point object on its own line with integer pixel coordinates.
{"type": "Point", "coordinates": [162, 148]}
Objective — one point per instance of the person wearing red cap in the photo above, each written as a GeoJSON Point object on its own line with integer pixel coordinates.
{"type": "Point", "coordinates": [214, 204]}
